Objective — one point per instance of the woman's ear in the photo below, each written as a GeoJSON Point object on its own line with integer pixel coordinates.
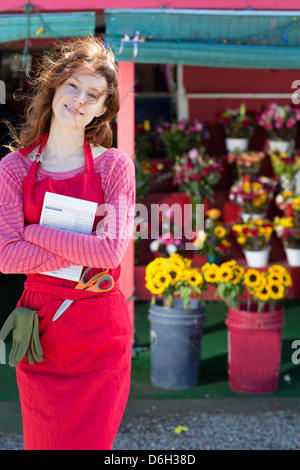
{"type": "Point", "coordinates": [102, 111]}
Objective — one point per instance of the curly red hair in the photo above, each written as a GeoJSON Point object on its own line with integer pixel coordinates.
{"type": "Point", "coordinates": [59, 64]}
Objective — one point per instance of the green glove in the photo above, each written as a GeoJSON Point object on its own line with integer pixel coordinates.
{"type": "Point", "coordinates": [24, 324]}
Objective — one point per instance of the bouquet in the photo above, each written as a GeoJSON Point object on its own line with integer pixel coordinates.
{"type": "Point", "coordinates": [264, 289]}
{"type": "Point", "coordinates": [253, 235]}
{"type": "Point", "coordinates": [173, 276]}
{"type": "Point", "coordinates": [196, 173]}
{"type": "Point", "coordinates": [285, 167]}
{"type": "Point", "coordinates": [179, 137]}
{"type": "Point", "coordinates": [237, 123]}
{"type": "Point", "coordinates": [248, 162]}
{"type": "Point", "coordinates": [289, 203]}
{"type": "Point", "coordinates": [280, 121]}
{"type": "Point", "coordinates": [213, 240]}
{"type": "Point", "coordinates": [171, 240]}
{"type": "Point", "coordinates": [288, 229]}
{"type": "Point", "coordinates": [254, 194]}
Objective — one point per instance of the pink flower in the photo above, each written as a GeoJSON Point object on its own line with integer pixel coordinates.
{"type": "Point", "coordinates": [268, 125]}
{"type": "Point", "coordinates": [193, 153]}
{"type": "Point", "coordinates": [279, 123]}
{"type": "Point", "coordinates": [167, 238]}
{"type": "Point", "coordinates": [159, 129]}
{"type": "Point", "coordinates": [290, 122]}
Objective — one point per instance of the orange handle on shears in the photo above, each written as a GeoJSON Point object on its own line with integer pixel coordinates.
{"type": "Point", "coordinates": [93, 284]}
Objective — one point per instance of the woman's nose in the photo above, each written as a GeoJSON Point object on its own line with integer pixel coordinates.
{"type": "Point", "coordinates": [79, 97]}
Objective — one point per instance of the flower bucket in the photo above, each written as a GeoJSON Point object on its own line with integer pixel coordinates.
{"type": "Point", "coordinates": [246, 217]}
{"type": "Point", "coordinates": [280, 146]}
{"type": "Point", "coordinates": [257, 259]}
{"type": "Point", "coordinates": [293, 256]}
{"type": "Point", "coordinates": [254, 350]}
{"type": "Point", "coordinates": [176, 335]}
{"type": "Point", "coordinates": [213, 259]}
{"type": "Point", "coordinates": [236, 145]}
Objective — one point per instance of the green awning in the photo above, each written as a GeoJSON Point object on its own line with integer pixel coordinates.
{"type": "Point", "coordinates": [240, 39]}
{"type": "Point", "coordinates": [46, 25]}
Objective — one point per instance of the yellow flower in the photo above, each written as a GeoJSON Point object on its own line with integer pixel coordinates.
{"type": "Point", "coordinates": [287, 279]}
{"type": "Point", "coordinates": [213, 213]}
{"type": "Point", "coordinates": [276, 290]}
{"type": "Point", "coordinates": [262, 293]}
{"type": "Point", "coordinates": [241, 240]}
{"type": "Point", "coordinates": [195, 278]}
{"type": "Point", "coordinates": [147, 126]}
{"type": "Point", "coordinates": [232, 262]}
{"type": "Point", "coordinates": [211, 274]}
{"type": "Point", "coordinates": [153, 288]}
{"type": "Point", "coordinates": [224, 273]}
{"type": "Point", "coordinates": [175, 272]}
{"type": "Point", "coordinates": [162, 279]}
{"type": "Point", "coordinates": [177, 259]}
{"type": "Point", "coordinates": [237, 273]}
{"type": "Point", "coordinates": [237, 228]}
{"type": "Point", "coordinates": [252, 278]}
{"type": "Point", "coordinates": [220, 231]}
{"type": "Point", "coordinates": [275, 276]}
{"type": "Point", "coordinates": [180, 428]}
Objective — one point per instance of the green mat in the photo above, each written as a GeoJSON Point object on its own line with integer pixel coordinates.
{"type": "Point", "coordinates": [213, 363]}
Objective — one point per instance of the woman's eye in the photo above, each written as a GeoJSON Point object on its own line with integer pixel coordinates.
{"type": "Point", "coordinates": [92, 96]}
{"type": "Point", "coordinates": [72, 85]}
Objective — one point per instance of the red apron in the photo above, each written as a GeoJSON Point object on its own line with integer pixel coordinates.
{"type": "Point", "coordinates": [75, 398]}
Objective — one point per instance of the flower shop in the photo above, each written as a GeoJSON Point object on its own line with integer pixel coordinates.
{"type": "Point", "coordinates": [228, 143]}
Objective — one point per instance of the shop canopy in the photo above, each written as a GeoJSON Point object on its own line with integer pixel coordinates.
{"type": "Point", "coordinates": [45, 25]}
{"type": "Point", "coordinates": [215, 38]}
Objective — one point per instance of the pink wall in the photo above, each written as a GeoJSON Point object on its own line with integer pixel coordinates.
{"type": "Point", "coordinates": [51, 5]}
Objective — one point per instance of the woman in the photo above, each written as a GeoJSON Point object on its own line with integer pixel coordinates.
{"type": "Point", "coordinates": [74, 395]}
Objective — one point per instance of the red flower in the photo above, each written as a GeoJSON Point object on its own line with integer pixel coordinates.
{"type": "Point", "coordinates": [222, 247]}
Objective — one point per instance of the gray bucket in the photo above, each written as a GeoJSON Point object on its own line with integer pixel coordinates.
{"type": "Point", "coordinates": [175, 336]}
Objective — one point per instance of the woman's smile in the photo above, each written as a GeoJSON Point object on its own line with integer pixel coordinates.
{"type": "Point", "coordinates": [72, 110]}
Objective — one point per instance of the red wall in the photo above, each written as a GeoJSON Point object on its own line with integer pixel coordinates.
{"type": "Point", "coordinates": [227, 80]}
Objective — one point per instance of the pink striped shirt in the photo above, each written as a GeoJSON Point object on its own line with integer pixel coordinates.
{"type": "Point", "coordinates": [36, 249]}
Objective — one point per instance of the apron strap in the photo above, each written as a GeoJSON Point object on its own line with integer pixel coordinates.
{"type": "Point", "coordinates": [89, 161]}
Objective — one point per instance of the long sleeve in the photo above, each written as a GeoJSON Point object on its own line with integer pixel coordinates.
{"type": "Point", "coordinates": [105, 247]}
{"type": "Point", "coordinates": [16, 254]}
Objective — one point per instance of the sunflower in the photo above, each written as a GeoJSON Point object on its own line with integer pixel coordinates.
{"type": "Point", "coordinates": [178, 259]}
{"type": "Point", "coordinates": [153, 288]}
{"type": "Point", "coordinates": [252, 278]}
{"type": "Point", "coordinates": [175, 272]}
{"type": "Point", "coordinates": [287, 279]}
{"type": "Point", "coordinates": [275, 276]}
{"type": "Point", "coordinates": [211, 274]}
{"type": "Point", "coordinates": [237, 273]}
{"type": "Point", "coordinates": [276, 290]}
{"type": "Point", "coordinates": [220, 231]}
{"type": "Point", "coordinates": [224, 273]}
{"type": "Point", "coordinates": [195, 278]}
{"type": "Point", "coordinates": [262, 292]}
{"type": "Point", "coordinates": [162, 278]}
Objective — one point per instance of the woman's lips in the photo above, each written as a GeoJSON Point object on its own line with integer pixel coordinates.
{"type": "Point", "coordinates": [73, 110]}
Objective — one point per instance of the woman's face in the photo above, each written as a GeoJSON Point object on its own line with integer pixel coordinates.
{"type": "Point", "coordinates": [79, 99]}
